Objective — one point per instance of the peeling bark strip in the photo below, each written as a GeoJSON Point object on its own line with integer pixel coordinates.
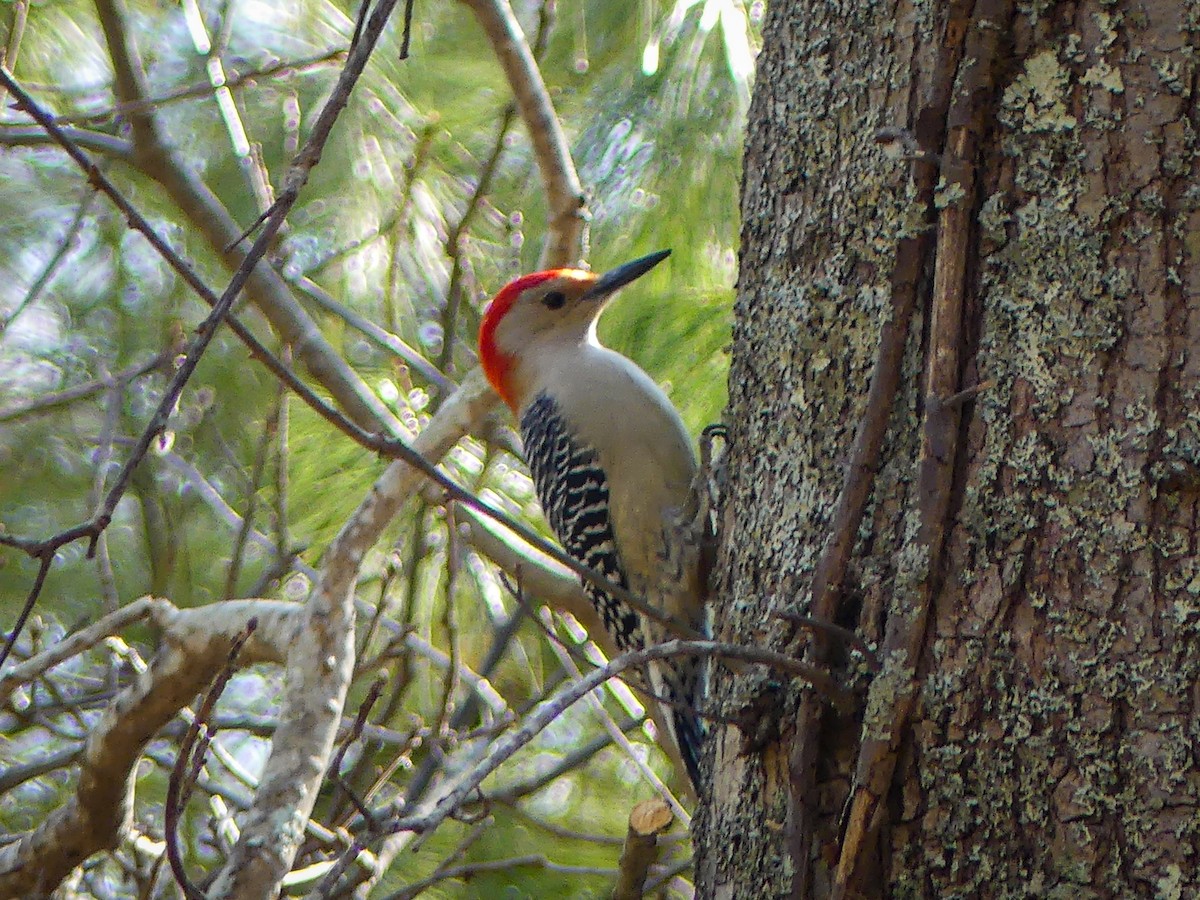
{"type": "Point", "coordinates": [1028, 569]}
{"type": "Point", "coordinates": [911, 259]}
{"type": "Point", "coordinates": [891, 699]}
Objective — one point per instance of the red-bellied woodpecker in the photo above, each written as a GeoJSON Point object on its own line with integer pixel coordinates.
{"type": "Point", "coordinates": [612, 462]}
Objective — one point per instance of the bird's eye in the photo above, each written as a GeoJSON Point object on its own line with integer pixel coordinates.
{"type": "Point", "coordinates": [555, 300]}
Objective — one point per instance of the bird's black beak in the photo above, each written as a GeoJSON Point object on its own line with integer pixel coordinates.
{"type": "Point", "coordinates": [617, 278]}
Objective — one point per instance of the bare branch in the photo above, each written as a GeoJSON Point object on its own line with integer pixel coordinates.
{"type": "Point", "coordinates": [543, 578]}
{"type": "Point", "coordinates": [195, 645]}
{"type": "Point", "coordinates": [511, 793]}
{"type": "Point", "coordinates": [74, 644]}
{"type": "Point", "coordinates": [304, 742]}
{"type": "Point", "coordinates": [618, 736]}
{"type": "Point", "coordinates": [378, 335]}
{"type": "Point", "coordinates": [425, 823]}
{"type": "Point", "coordinates": [16, 33]}
{"type": "Point", "coordinates": [564, 195]}
{"type": "Point", "coordinates": [14, 775]}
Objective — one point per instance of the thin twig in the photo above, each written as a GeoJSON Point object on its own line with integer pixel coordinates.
{"type": "Point", "coordinates": [257, 472]}
{"type": "Point", "coordinates": [45, 561]}
{"type": "Point", "coordinates": [186, 763]}
{"type": "Point", "coordinates": [844, 635]}
{"type": "Point", "coordinates": [15, 774]}
{"type": "Point", "coordinates": [407, 35]}
{"type": "Point", "coordinates": [672, 871]}
{"type": "Point", "coordinates": [114, 403]}
{"type": "Point", "coordinates": [50, 269]}
{"type": "Point", "coordinates": [512, 741]}
{"type": "Point", "coordinates": [395, 222]}
{"type": "Point", "coordinates": [578, 757]}
{"type": "Point", "coordinates": [968, 394]}
{"type": "Point", "coordinates": [449, 623]}
{"type": "Point", "coordinates": [47, 402]}
{"type": "Point", "coordinates": [96, 141]}
{"type": "Point", "coordinates": [355, 732]}
{"type": "Point", "coordinates": [16, 33]}
{"type": "Point", "coordinates": [74, 644]}
{"type": "Point", "coordinates": [205, 333]}
{"type": "Point", "coordinates": [283, 540]}
{"type": "Point", "coordinates": [273, 73]}
{"type": "Point", "coordinates": [379, 336]}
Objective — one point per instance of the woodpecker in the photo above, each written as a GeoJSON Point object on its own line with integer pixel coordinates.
{"type": "Point", "coordinates": [612, 463]}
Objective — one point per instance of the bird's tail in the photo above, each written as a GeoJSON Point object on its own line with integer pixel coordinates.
{"type": "Point", "coordinates": [676, 683]}
{"type": "Point", "coordinates": [689, 738]}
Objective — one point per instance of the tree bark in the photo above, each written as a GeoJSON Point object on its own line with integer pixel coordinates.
{"type": "Point", "coordinates": [1020, 544]}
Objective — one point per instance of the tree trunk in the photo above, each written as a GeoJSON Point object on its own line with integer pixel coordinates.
{"type": "Point", "coordinates": [1000, 491]}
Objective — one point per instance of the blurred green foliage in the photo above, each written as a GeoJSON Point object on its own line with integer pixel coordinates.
{"type": "Point", "coordinates": [653, 99]}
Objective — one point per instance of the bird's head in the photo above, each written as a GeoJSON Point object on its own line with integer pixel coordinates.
{"type": "Point", "coordinates": [555, 307]}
